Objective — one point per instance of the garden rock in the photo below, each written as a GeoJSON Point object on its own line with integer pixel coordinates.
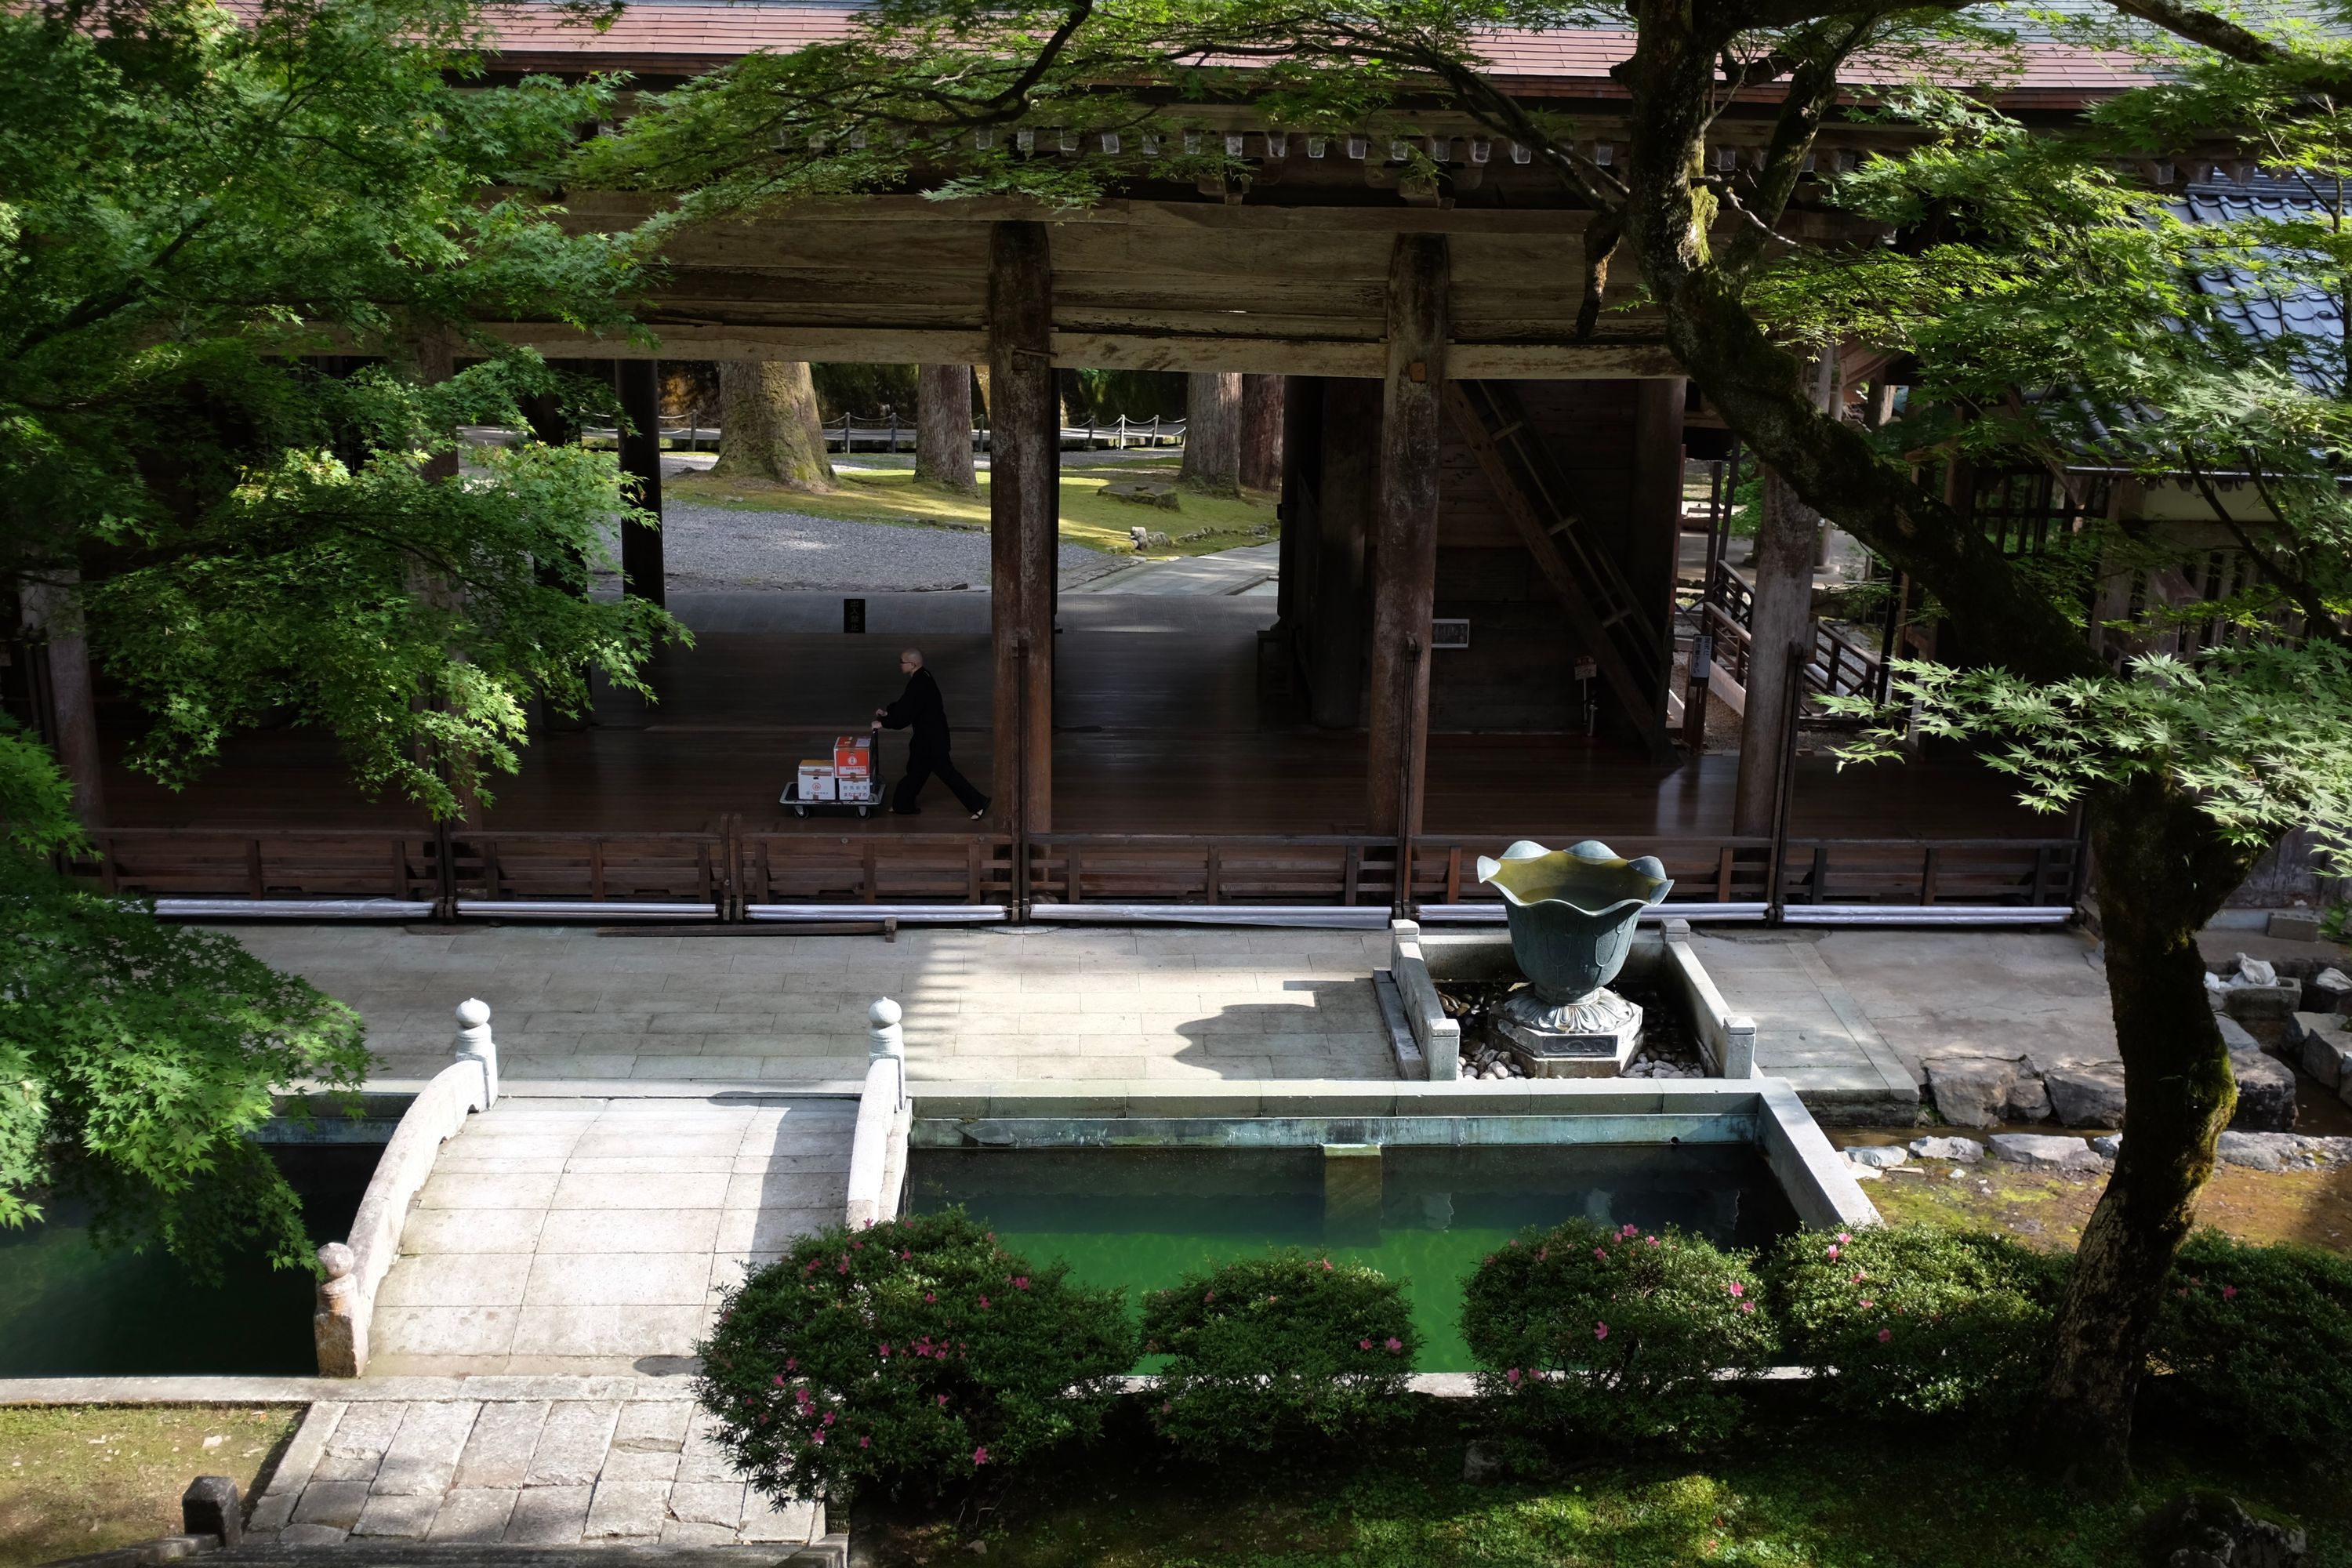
{"type": "Point", "coordinates": [1482, 1462]}
{"type": "Point", "coordinates": [2265, 1093]}
{"type": "Point", "coordinates": [1967, 1151]}
{"type": "Point", "coordinates": [2248, 1001]}
{"type": "Point", "coordinates": [2324, 1046]}
{"type": "Point", "coordinates": [2088, 1094]}
{"type": "Point", "coordinates": [1879, 1157]}
{"type": "Point", "coordinates": [2196, 1530]}
{"type": "Point", "coordinates": [2045, 1151]}
{"type": "Point", "coordinates": [2292, 925]}
{"type": "Point", "coordinates": [2029, 1098]}
{"type": "Point", "coordinates": [2107, 1145]}
{"type": "Point", "coordinates": [2235, 1035]}
{"type": "Point", "coordinates": [2282, 1150]}
{"type": "Point", "coordinates": [1971, 1091]}
{"type": "Point", "coordinates": [1143, 492]}
{"type": "Point", "coordinates": [2332, 989]}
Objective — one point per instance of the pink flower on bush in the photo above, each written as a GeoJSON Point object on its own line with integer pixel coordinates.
{"type": "Point", "coordinates": [1512, 1376]}
{"type": "Point", "coordinates": [865, 1442]}
{"type": "Point", "coordinates": [780, 1380]}
{"type": "Point", "coordinates": [983, 1303]}
{"type": "Point", "coordinates": [1326, 1265]}
{"type": "Point", "coordinates": [1363, 1344]}
{"type": "Point", "coordinates": [1833, 1252]}
{"type": "Point", "coordinates": [828, 1418]}
{"type": "Point", "coordinates": [792, 1363]}
{"type": "Point", "coordinates": [2228, 1292]}
{"type": "Point", "coordinates": [820, 1437]}
{"type": "Point", "coordinates": [930, 1296]}
{"type": "Point", "coordinates": [1884, 1335]}
{"type": "Point", "coordinates": [1747, 1306]}
{"type": "Point", "coordinates": [1737, 1290]}
{"type": "Point", "coordinates": [1600, 1330]}
{"type": "Point", "coordinates": [978, 1457]}
{"type": "Point", "coordinates": [1021, 1283]}
{"type": "Point", "coordinates": [1868, 1303]}
{"type": "Point", "coordinates": [1651, 1239]}
{"type": "Point", "coordinates": [1395, 1344]}
{"type": "Point", "coordinates": [1602, 1253]}
{"type": "Point", "coordinates": [943, 1402]}
{"type": "Point", "coordinates": [885, 1350]}
{"type": "Point", "coordinates": [1859, 1277]}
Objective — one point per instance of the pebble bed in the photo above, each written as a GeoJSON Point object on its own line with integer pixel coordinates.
{"type": "Point", "coordinates": [721, 547]}
{"type": "Point", "coordinates": [1666, 1048]}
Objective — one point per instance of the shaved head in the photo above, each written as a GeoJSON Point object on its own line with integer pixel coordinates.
{"type": "Point", "coordinates": [912, 658]}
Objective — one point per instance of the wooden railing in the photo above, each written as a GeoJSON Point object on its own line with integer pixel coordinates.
{"type": "Point", "coordinates": [729, 869]}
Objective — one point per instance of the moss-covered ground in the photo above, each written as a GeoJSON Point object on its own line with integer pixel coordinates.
{"type": "Point", "coordinates": [76, 1480]}
{"type": "Point", "coordinates": [1201, 525]}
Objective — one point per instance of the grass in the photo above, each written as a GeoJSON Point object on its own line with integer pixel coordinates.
{"type": "Point", "coordinates": [81, 1478]}
{"type": "Point", "coordinates": [894, 496]}
{"type": "Point", "coordinates": [1798, 1492]}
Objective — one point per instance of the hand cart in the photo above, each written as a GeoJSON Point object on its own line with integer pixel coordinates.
{"type": "Point", "coordinates": [880, 794]}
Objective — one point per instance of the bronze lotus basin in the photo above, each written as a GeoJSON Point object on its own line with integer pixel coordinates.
{"type": "Point", "coordinates": [1572, 912]}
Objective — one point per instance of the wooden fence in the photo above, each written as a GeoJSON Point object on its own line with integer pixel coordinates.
{"type": "Point", "coordinates": [729, 869]}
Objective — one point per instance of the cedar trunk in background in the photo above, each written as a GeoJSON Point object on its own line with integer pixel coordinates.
{"type": "Point", "coordinates": [1262, 405]}
{"type": "Point", "coordinates": [943, 429]}
{"type": "Point", "coordinates": [1780, 620]}
{"type": "Point", "coordinates": [768, 424]}
{"type": "Point", "coordinates": [1213, 433]}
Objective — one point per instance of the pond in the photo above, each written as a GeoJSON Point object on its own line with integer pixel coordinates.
{"type": "Point", "coordinates": [68, 1310]}
{"type": "Point", "coordinates": [1143, 1218]}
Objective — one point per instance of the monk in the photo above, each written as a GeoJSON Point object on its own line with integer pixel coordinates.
{"type": "Point", "coordinates": [921, 709]}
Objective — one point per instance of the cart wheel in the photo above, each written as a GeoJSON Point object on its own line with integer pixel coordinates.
{"type": "Point", "coordinates": [800, 811]}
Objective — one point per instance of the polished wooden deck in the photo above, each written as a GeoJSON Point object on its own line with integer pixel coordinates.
{"type": "Point", "coordinates": [1158, 732]}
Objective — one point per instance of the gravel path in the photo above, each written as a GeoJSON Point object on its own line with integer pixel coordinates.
{"type": "Point", "coordinates": [719, 547]}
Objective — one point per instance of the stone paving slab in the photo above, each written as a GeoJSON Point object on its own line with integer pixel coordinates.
{"type": "Point", "coordinates": [523, 1472]}
{"type": "Point", "coordinates": [597, 1269]}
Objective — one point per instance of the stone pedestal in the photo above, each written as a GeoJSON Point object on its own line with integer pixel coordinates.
{"type": "Point", "coordinates": [1593, 1036]}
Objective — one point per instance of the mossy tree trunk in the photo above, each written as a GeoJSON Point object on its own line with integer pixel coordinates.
{"type": "Point", "coordinates": [1261, 433]}
{"type": "Point", "coordinates": [1213, 433]}
{"type": "Point", "coordinates": [768, 424]}
{"type": "Point", "coordinates": [943, 429]}
{"type": "Point", "coordinates": [2162, 866]}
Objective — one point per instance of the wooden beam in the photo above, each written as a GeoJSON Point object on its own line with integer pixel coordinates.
{"type": "Point", "coordinates": [639, 383]}
{"type": "Point", "coordinates": [1025, 519]}
{"type": "Point", "coordinates": [1405, 532]}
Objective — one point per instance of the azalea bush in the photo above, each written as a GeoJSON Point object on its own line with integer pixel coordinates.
{"type": "Point", "coordinates": [1266, 1350]}
{"type": "Point", "coordinates": [1615, 1333]}
{"type": "Point", "coordinates": [908, 1358]}
{"type": "Point", "coordinates": [2257, 1342]}
{"type": "Point", "coordinates": [1916, 1318]}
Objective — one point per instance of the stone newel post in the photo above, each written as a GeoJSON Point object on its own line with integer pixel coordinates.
{"type": "Point", "coordinates": [474, 1044]}
{"type": "Point", "coordinates": [341, 1337]}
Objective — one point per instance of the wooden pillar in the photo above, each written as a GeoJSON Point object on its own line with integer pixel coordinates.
{"type": "Point", "coordinates": [639, 383]}
{"type": "Point", "coordinates": [1351, 491]}
{"type": "Point", "coordinates": [1780, 620]}
{"type": "Point", "coordinates": [51, 615]}
{"type": "Point", "coordinates": [1301, 505]}
{"type": "Point", "coordinates": [1024, 509]}
{"type": "Point", "coordinates": [1657, 514]}
{"type": "Point", "coordinates": [1263, 403]}
{"type": "Point", "coordinates": [1405, 532]}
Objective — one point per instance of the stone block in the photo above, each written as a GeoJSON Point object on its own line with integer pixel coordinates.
{"type": "Point", "coordinates": [2088, 1094]}
{"type": "Point", "coordinates": [210, 1507]}
{"type": "Point", "coordinates": [2330, 990]}
{"type": "Point", "coordinates": [311, 1535]}
{"type": "Point", "coordinates": [2046, 1151]}
{"type": "Point", "coordinates": [2235, 1035]}
{"type": "Point", "coordinates": [2107, 1145]}
{"type": "Point", "coordinates": [793, 1523]}
{"type": "Point", "coordinates": [2293, 925]}
{"type": "Point", "coordinates": [1877, 1157]}
{"type": "Point", "coordinates": [423, 1458]}
{"type": "Point", "coordinates": [336, 1504]}
{"type": "Point", "coordinates": [708, 1502]}
{"type": "Point", "coordinates": [404, 1516]}
{"type": "Point", "coordinates": [2029, 1098]}
{"type": "Point", "coordinates": [1971, 1091]}
{"type": "Point", "coordinates": [627, 1510]}
{"type": "Point", "coordinates": [571, 1446]}
{"type": "Point", "coordinates": [2265, 1092]}
{"type": "Point", "coordinates": [2324, 1050]}
{"type": "Point", "coordinates": [2249, 1004]}
{"type": "Point", "coordinates": [2259, 1151]}
{"type": "Point", "coordinates": [474, 1516]}
{"type": "Point", "coordinates": [497, 1452]}
{"type": "Point", "coordinates": [1962, 1150]}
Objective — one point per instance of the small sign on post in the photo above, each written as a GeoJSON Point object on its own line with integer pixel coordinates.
{"type": "Point", "coordinates": [1586, 668]}
{"type": "Point", "coordinates": [852, 616]}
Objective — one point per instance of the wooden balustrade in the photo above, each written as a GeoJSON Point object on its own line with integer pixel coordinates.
{"type": "Point", "coordinates": [729, 869]}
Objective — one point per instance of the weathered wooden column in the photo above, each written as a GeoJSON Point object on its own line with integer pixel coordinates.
{"type": "Point", "coordinates": [1405, 531]}
{"type": "Point", "coordinates": [1024, 518]}
{"type": "Point", "coordinates": [1350, 492]}
{"type": "Point", "coordinates": [1780, 616]}
{"type": "Point", "coordinates": [639, 383]}
{"type": "Point", "coordinates": [51, 615]}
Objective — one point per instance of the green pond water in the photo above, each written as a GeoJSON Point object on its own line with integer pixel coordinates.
{"type": "Point", "coordinates": [68, 1309]}
{"type": "Point", "coordinates": [1142, 1218]}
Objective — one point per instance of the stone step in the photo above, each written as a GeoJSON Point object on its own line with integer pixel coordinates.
{"type": "Point", "coordinates": [833, 1552]}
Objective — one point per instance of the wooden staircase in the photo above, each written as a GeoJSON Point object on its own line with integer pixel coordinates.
{"type": "Point", "coordinates": [1625, 640]}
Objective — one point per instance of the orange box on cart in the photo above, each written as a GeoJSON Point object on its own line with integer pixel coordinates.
{"type": "Point", "coordinates": [853, 757]}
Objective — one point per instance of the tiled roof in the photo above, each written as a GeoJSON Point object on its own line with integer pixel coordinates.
{"type": "Point", "coordinates": [2276, 303]}
{"type": "Point", "coordinates": [691, 35]}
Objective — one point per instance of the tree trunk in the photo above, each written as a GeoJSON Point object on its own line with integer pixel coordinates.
{"type": "Point", "coordinates": [1261, 438]}
{"type": "Point", "coordinates": [768, 424]}
{"type": "Point", "coordinates": [943, 429]}
{"type": "Point", "coordinates": [1213, 433]}
{"type": "Point", "coordinates": [1780, 618]}
{"type": "Point", "coordinates": [2161, 874]}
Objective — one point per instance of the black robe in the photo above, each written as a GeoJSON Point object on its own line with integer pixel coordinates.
{"type": "Point", "coordinates": [920, 708]}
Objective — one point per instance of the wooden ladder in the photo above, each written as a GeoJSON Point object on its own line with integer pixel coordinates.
{"type": "Point", "coordinates": [1626, 642]}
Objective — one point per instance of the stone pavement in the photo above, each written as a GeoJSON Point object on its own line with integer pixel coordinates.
{"type": "Point", "coordinates": [1003, 1003]}
{"type": "Point", "coordinates": [593, 1236]}
{"type": "Point", "coordinates": [540, 1472]}
{"type": "Point", "coordinates": [1850, 1016]}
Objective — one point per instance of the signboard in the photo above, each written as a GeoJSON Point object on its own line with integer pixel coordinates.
{"type": "Point", "coordinates": [1586, 667]}
{"type": "Point", "coordinates": [853, 615]}
{"type": "Point", "coordinates": [1449, 634]}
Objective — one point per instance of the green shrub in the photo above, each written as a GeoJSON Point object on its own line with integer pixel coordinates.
{"type": "Point", "coordinates": [1268, 1350]}
{"type": "Point", "coordinates": [1916, 1318]}
{"type": "Point", "coordinates": [908, 1357]}
{"type": "Point", "coordinates": [1615, 1333]}
{"type": "Point", "coordinates": [2257, 1341]}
